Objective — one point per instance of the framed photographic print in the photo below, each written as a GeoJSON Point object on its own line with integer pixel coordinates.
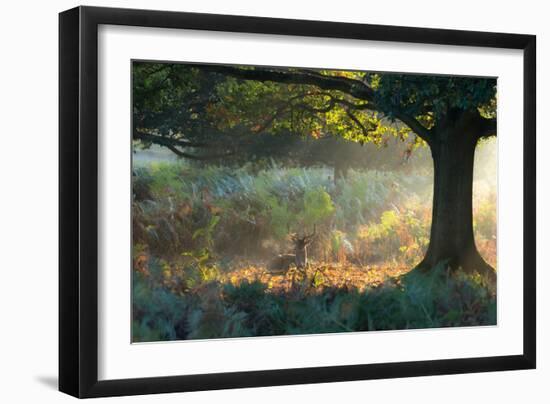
{"type": "Point", "coordinates": [251, 201]}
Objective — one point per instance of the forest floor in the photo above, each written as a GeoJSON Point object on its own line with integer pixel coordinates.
{"type": "Point", "coordinates": [319, 275]}
{"type": "Point", "coordinates": [170, 303]}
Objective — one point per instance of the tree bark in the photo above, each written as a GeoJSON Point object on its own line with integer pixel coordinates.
{"type": "Point", "coordinates": [452, 235]}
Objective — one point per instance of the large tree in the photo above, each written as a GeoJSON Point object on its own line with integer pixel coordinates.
{"type": "Point", "coordinates": [210, 111]}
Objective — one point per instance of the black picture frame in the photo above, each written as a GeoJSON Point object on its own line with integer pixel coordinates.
{"type": "Point", "coordinates": [78, 201]}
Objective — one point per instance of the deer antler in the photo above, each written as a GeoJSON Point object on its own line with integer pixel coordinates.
{"type": "Point", "coordinates": [293, 236]}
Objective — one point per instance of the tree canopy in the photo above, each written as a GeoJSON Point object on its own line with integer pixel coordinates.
{"type": "Point", "coordinates": [212, 111]}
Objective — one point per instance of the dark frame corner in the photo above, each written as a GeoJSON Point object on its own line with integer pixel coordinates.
{"type": "Point", "coordinates": [78, 289]}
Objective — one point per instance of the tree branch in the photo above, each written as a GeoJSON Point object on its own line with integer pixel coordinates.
{"type": "Point", "coordinates": [315, 110]}
{"type": "Point", "coordinates": [167, 141]}
{"type": "Point", "coordinates": [357, 122]}
{"type": "Point", "coordinates": [203, 157]}
{"type": "Point", "coordinates": [351, 105]}
{"type": "Point", "coordinates": [353, 87]}
{"type": "Point", "coordinates": [423, 132]}
{"type": "Point", "coordinates": [356, 88]}
{"type": "Point", "coordinates": [288, 104]}
{"type": "Point", "coordinates": [174, 145]}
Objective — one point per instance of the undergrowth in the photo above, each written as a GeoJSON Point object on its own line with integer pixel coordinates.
{"type": "Point", "coordinates": [216, 309]}
{"type": "Point", "coordinates": [203, 238]}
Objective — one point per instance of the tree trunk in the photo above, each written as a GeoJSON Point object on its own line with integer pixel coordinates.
{"type": "Point", "coordinates": [452, 235]}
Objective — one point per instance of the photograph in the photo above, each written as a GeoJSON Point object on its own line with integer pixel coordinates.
{"type": "Point", "coordinates": [273, 201]}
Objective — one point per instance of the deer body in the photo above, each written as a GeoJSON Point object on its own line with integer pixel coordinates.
{"type": "Point", "coordinates": [282, 262]}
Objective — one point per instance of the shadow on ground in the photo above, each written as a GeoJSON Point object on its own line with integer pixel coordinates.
{"type": "Point", "coordinates": [48, 381]}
